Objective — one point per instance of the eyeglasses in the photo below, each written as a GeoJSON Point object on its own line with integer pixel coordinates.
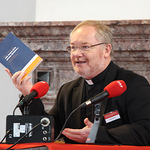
{"type": "Point", "coordinates": [83, 48]}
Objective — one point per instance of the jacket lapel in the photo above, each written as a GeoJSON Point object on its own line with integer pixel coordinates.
{"type": "Point", "coordinates": [76, 101]}
{"type": "Point", "coordinates": [111, 75]}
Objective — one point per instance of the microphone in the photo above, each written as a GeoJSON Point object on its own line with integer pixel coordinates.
{"type": "Point", "coordinates": [113, 89]}
{"type": "Point", "coordinates": [38, 90]}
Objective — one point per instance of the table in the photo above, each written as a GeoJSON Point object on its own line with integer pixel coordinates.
{"type": "Point", "coordinates": [60, 146]}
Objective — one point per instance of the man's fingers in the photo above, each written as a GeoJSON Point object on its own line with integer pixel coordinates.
{"type": "Point", "coordinates": [72, 131]}
{"type": "Point", "coordinates": [19, 79]}
{"type": "Point", "coordinates": [8, 72]}
{"type": "Point", "coordinates": [87, 122]}
{"type": "Point", "coordinates": [75, 134]}
{"type": "Point", "coordinates": [26, 79]}
{"type": "Point", "coordinates": [16, 78]}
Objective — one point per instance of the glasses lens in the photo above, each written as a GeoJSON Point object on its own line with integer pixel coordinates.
{"type": "Point", "coordinates": [85, 48]}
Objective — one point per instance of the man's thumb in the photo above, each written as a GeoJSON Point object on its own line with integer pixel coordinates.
{"type": "Point", "coordinates": [87, 122]}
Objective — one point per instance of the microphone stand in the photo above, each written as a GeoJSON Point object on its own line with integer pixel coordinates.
{"type": "Point", "coordinates": [26, 110]}
{"type": "Point", "coordinates": [93, 133]}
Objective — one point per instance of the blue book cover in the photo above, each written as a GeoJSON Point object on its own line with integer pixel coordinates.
{"type": "Point", "coordinates": [16, 56]}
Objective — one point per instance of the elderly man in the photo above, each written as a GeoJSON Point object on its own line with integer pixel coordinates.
{"type": "Point", "coordinates": [90, 52]}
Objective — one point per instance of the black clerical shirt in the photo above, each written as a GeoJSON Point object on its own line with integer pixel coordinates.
{"type": "Point", "coordinates": [91, 88]}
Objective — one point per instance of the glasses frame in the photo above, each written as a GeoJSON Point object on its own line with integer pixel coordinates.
{"type": "Point", "coordinates": [80, 47]}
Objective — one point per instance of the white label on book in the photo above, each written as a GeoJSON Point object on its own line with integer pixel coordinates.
{"type": "Point", "coordinates": [29, 63]}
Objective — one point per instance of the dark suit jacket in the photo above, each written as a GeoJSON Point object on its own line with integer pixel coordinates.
{"type": "Point", "coordinates": [133, 106]}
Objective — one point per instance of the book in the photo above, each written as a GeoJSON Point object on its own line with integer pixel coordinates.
{"type": "Point", "coordinates": [16, 56]}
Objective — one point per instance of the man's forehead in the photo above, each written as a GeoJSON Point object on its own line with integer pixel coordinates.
{"type": "Point", "coordinates": [85, 27]}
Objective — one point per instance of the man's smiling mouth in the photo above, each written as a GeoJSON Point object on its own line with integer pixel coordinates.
{"type": "Point", "coordinates": [80, 62]}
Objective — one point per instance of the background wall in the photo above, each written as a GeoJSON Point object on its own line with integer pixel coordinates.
{"type": "Point", "coordinates": [75, 10]}
{"type": "Point", "coordinates": [72, 10]}
{"type": "Point", "coordinates": [17, 10]}
{"type": "Point", "coordinates": [59, 10]}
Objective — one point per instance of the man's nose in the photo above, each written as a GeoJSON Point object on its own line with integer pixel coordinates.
{"type": "Point", "coordinates": [78, 51]}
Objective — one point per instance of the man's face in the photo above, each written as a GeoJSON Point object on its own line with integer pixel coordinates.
{"type": "Point", "coordinates": [91, 63]}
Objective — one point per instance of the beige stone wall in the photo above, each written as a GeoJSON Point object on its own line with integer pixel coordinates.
{"type": "Point", "coordinates": [50, 39]}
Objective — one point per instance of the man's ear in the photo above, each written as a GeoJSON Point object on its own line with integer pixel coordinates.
{"type": "Point", "coordinates": [108, 48]}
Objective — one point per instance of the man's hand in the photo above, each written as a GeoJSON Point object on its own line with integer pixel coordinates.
{"type": "Point", "coordinates": [79, 135]}
{"type": "Point", "coordinates": [24, 86]}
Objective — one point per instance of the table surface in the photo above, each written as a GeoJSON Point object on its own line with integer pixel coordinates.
{"type": "Point", "coordinates": [60, 146]}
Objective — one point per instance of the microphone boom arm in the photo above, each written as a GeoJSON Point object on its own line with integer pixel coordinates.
{"type": "Point", "coordinates": [98, 98]}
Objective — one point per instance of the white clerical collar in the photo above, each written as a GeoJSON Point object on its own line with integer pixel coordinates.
{"type": "Point", "coordinates": [90, 82]}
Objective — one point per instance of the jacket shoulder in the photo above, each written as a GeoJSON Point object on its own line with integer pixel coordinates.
{"type": "Point", "coordinates": [129, 76]}
{"type": "Point", "coordinates": [73, 83]}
